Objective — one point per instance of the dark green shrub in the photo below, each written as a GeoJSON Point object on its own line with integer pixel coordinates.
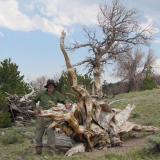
{"type": "Point", "coordinates": [3, 102]}
{"type": "Point", "coordinates": [11, 138]}
{"type": "Point", "coordinates": [135, 115]}
{"type": "Point", "coordinates": [149, 80]}
{"type": "Point", "coordinates": [5, 119]}
{"type": "Point", "coordinates": [153, 144]}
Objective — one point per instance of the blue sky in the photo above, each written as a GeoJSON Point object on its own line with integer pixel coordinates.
{"type": "Point", "coordinates": [30, 32]}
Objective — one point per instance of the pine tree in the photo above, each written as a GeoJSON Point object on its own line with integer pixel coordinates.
{"type": "Point", "coordinates": [10, 79]}
{"type": "Point", "coordinates": [5, 119]}
{"type": "Point", "coordinates": [64, 85]}
{"type": "Point", "coordinates": [149, 80]}
{"type": "Point", "coordinates": [13, 83]}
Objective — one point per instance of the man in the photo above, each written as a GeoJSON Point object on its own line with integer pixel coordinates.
{"type": "Point", "coordinates": [50, 94]}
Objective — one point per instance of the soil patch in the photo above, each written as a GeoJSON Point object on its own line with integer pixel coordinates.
{"type": "Point", "coordinates": [130, 144]}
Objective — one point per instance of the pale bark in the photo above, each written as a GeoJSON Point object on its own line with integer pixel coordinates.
{"type": "Point", "coordinates": [98, 81]}
{"type": "Point", "coordinates": [101, 126]}
{"type": "Point", "coordinates": [77, 88]}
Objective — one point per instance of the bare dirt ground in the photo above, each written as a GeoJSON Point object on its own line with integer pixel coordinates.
{"type": "Point", "coordinates": [129, 145]}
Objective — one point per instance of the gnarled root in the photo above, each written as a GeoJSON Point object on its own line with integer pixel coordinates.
{"type": "Point", "coordinates": [77, 148]}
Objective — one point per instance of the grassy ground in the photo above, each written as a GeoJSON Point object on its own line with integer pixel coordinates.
{"type": "Point", "coordinates": [15, 146]}
{"type": "Point", "coordinates": [147, 106]}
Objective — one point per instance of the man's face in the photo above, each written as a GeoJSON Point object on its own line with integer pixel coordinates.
{"type": "Point", "coordinates": [50, 87]}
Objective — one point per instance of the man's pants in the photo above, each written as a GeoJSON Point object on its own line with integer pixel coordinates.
{"type": "Point", "coordinates": [41, 125]}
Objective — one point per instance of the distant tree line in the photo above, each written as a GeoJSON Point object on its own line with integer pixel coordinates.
{"type": "Point", "coordinates": [12, 82]}
{"type": "Point", "coordinates": [147, 81]}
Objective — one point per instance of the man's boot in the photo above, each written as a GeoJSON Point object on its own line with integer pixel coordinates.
{"type": "Point", "coordinates": [38, 150]}
{"type": "Point", "coordinates": [51, 151]}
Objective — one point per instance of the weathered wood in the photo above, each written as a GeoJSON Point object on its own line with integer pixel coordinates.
{"type": "Point", "coordinates": [74, 83]}
{"type": "Point", "coordinates": [145, 128]}
{"type": "Point", "coordinates": [101, 126]}
{"type": "Point", "coordinates": [77, 148]}
{"type": "Point", "coordinates": [63, 142]}
{"type": "Point", "coordinates": [20, 106]}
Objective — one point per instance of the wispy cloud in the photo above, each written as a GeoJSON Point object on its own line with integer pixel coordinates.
{"type": "Point", "coordinates": [1, 34]}
{"type": "Point", "coordinates": [45, 25]}
{"type": "Point", "coordinates": [12, 18]}
{"type": "Point", "coordinates": [52, 17]}
{"type": "Point", "coordinates": [69, 12]}
{"type": "Point", "coordinates": [30, 6]}
{"type": "Point", "coordinates": [157, 40]}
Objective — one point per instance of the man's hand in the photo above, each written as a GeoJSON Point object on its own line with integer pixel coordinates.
{"type": "Point", "coordinates": [68, 105]}
{"type": "Point", "coordinates": [36, 111]}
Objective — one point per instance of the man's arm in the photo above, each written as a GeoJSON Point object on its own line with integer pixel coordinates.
{"type": "Point", "coordinates": [64, 100]}
{"type": "Point", "coordinates": [33, 103]}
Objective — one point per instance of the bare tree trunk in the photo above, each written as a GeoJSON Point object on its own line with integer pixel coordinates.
{"type": "Point", "coordinates": [132, 85]}
{"type": "Point", "coordinates": [73, 80]}
{"type": "Point", "coordinates": [98, 81]}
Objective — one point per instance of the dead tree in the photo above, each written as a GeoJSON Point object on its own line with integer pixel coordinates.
{"type": "Point", "coordinates": [100, 125]}
{"type": "Point", "coordinates": [119, 31]}
{"type": "Point", "coordinates": [131, 67]}
{"type": "Point", "coordinates": [39, 82]}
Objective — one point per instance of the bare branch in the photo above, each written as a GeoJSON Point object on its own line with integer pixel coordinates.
{"type": "Point", "coordinates": [117, 33]}
{"type": "Point", "coordinates": [132, 65]}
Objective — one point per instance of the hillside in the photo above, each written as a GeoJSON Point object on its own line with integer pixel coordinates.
{"type": "Point", "coordinates": [146, 113]}
{"type": "Point", "coordinates": [147, 106]}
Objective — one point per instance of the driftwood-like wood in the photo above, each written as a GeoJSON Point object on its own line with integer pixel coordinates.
{"type": "Point", "coordinates": [91, 123]}
{"type": "Point", "coordinates": [21, 107]}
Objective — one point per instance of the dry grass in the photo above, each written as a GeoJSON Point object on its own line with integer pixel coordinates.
{"type": "Point", "coordinates": [146, 113]}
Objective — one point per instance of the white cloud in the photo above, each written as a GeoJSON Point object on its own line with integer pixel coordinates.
{"type": "Point", "coordinates": [157, 66]}
{"type": "Point", "coordinates": [70, 12]}
{"type": "Point", "coordinates": [45, 25]}
{"type": "Point", "coordinates": [1, 34]}
{"type": "Point", "coordinates": [157, 40]}
{"type": "Point", "coordinates": [29, 7]}
{"type": "Point", "coordinates": [55, 15]}
{"type": "Point", "coordinates": [52, 15]}
{"type": "Point", "coordinates": [12, 18]}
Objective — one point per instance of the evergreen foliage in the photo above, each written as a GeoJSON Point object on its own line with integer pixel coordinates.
{"type": "Point", "coordinates": [153, 144]}
{"type": "Point", "coordinates": [12, 82]}
{"type": "Point", "coordinates": [10, 79]}
{"type": "Point", "coordinates": [149, 80]}
{"type": "Point", "coordinates": [5, 119]}
{"type": "Point", "coordinates": [111, 88]}
{"type": "Point", "coordinates": [64, 85]}
{"type": "Point", "coordinates": [3, 103]}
